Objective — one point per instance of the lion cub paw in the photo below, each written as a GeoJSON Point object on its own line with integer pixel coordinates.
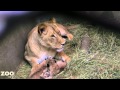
{"type": "Point", "coordinates": [67, 59]}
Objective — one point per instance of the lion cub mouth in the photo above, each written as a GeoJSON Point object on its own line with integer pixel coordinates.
{"type": "Point", "coordinates": [59, 50]}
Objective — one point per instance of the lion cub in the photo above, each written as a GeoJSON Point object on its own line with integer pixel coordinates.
{"type": "Point", "coordinates": [46, 40]}
{"type": "Point", "coordinates": [48, 69]}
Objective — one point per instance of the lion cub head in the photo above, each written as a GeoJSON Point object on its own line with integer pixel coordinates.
{"type": "Point", "coordinates": [53, 35]}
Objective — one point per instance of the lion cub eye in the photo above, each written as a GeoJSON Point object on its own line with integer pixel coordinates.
{"type": "Point", "coordinates": [52, 35]}
{"type": "Point", "coordinates": [64, 37]}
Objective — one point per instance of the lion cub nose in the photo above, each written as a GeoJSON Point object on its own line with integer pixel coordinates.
{"type": "Point", "coordinates": [63, 44]}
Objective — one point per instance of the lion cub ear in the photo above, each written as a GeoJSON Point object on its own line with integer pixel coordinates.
{"type": "Point", "coordinates": [53, 20]}
{"type": "Point", "coordinates": [70, 36]}
{"type": "Point", "coordinates": [42, 29]}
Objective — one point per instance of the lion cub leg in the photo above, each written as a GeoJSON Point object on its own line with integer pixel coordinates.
{"type": "Point", "coordinates": [37, 68]}
{"type": "Point", "coordinates": [64, 57]}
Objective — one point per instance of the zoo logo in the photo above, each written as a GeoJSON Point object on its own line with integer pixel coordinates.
{"type": "Point", "coordinates": [7, 73]}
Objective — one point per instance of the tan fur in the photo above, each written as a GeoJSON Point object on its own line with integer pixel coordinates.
{"type": "Point", "coordinates": [47, 72]}
{"type": "Point", "coordinates": [46, 40]}
{"type": "Point", "coordinates": [53, 69]}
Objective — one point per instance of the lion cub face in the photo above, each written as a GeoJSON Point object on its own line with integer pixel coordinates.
{"type": "Point", "coordinates": [53, 35]}
{"type": "Point", "coordinates": [50, 38]}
